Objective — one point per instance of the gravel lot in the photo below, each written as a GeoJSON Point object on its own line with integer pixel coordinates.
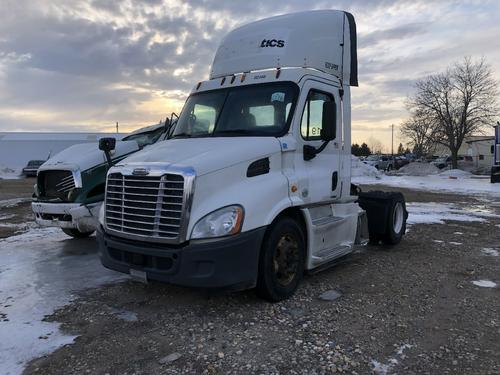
{"type": "Point", "coordinates": [411, 309]}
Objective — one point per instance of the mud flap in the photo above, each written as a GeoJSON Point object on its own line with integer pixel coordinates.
{"type": "Point", "coordinates": [379, 208]}
{"type": "Point", "coordinates": [495, 174]}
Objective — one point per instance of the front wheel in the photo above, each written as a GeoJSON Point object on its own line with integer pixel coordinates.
{"type": "Point", "coordinates": [75, 233]}
{"type": "Point", "coordinates": [281, 263]}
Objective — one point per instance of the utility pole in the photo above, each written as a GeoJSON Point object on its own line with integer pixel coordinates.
{"type": "Point", "coordinates": [392, 140]}
{"type": "Point", "coordinates": [117, 126]}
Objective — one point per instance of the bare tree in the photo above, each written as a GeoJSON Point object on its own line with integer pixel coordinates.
{"type": "Point", "coordinates": [458, 102]}
{"type": "Point", "coordinates": [375, 145]}
{"type": "Point", "coordinates": [419, 131]}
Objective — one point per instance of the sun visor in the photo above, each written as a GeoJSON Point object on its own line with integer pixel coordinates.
{"type": "Point", "coordinates": [324, 40]}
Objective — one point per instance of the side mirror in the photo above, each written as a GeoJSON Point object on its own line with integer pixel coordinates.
{"type": "Point", "coordinates": [329, 122]}
{"type": "Point", "coordinates": [107, 144]}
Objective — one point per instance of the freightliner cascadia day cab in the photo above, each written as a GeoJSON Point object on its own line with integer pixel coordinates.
{"type": "Point", "coordinates": [70, 186]}
{"type": "Point", "coordinates": [253, 188]}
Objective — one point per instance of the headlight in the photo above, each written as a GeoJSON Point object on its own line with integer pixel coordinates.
{"type": "Point", "coordinates": [223, 222]}
{"type": "Point", "coordinates": [101, 214]}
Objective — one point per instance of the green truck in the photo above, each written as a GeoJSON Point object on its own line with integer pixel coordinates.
{"type": "Point", "coordinates": [70, 185]}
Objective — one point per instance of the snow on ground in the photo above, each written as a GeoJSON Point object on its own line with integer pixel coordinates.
{"type": "Point", "coordinates": [424, 176]}
{"type": "Point", "coordinates": [462, 184]}
{"type": "Point", "coordinates": [39, 272]}
{"type": "Point", "coordinates": [386, 368]}
{"type": "Point", "coordinates": [490, 251]}
{"type": "Point", "coordinates": [455, 173]}
{"type": "Point", "coordinates": [485, 283]}
{"type": "Point", "coordinates": [7, 173]}
{"type": "Point", "coordinates": [437, 213]}
{"type": "Point", "coordinates": [6, 203]}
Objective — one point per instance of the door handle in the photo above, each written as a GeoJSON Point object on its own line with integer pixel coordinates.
{"type": "Point", "coordinates": [335, 180]}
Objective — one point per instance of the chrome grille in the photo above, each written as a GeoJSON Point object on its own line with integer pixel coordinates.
{"type": "Point", "coordinates": [148, 206]}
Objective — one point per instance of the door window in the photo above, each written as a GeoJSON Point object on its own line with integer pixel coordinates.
{"type": "Point", "coordinates": [311, 124]}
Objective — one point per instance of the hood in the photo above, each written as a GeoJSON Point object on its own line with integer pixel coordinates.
{"type": "Point", "coordinates": [86, 155]}
{"type": "Point", "coordinates": [206, 155]}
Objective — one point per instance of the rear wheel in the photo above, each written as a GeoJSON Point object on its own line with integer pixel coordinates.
{"type": "Point", "coordinates": [396, 225]}
{"type": "Point", "coordinates": [75, 233]}
{"type": "Point", "coordinates": [281, 263]}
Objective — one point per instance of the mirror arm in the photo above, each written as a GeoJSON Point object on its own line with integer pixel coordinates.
{"type": "Point", "coordinates": [108, 158]}
{"type": "Point", "coordinates": [310, 152]}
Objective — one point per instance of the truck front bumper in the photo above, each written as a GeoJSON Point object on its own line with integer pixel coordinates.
{"type": "Point", "coordinates": [229, 263]}
{"type": "Point", "coordinates": [67, 215]}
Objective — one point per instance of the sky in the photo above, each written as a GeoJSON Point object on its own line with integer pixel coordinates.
{"type": "Point", "coordinates": [74, 65]}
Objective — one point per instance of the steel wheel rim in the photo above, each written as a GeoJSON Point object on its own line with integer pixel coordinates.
{"type": "Point", "coordinates": [398, 217]}
{"type": "Point", "coordinates": [286, 259]}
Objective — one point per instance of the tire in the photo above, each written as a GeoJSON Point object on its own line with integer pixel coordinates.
{"type": "Point", "coordinates": [396, 224]}
{"type": "Point", "coordinates": [283, 246]}
{"type": "Point", "coordinates": [75, 233]}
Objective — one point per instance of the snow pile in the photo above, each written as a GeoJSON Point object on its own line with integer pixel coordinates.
{"type": "Point", "coordinates": [358, 169]}
{"type": "Point", "coordinates": [7, 173]}
{"type": "Point", "coordinates": [456, 173]}
{"type": "Point", "coordinates": [417, 169]}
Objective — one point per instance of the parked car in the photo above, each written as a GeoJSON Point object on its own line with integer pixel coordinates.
{"type": "Point", "coordinates": [442, 162]}
{"type": "Point", "coordinates": [70, 185]}
{"type": "Point", "coordinates": [382, 162]}
{"type": "Point", "coordinates": [32, 167]}
{"type": "Point", "coordinates": [400, 161]}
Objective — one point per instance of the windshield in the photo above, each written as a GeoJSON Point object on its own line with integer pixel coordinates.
{"type": "Point", "coordinates": [147, 138]}
{"type": "Point", "coordinates": [372, 158]}
{"type": "Point", "coordinates": [258, 110]}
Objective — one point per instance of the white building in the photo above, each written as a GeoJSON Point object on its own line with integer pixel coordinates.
{"type": "Point", "coordinates": [479, 150]}
{"type": "Point", "coordinates": [17, 148]}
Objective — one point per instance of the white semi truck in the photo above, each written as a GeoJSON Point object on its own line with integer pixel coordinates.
{"type": "Point", "coordinates": [253, 189]}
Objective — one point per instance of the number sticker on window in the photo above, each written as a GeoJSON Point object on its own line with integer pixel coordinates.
{"type": "Point", "coordinates": [278, 97]}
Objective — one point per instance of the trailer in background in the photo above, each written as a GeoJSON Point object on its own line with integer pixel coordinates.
{"type": "Point", "coordinates": [495, 169]}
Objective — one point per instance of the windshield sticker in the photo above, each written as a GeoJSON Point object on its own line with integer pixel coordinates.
{"type": "Point", "coordinates": [278, 97]}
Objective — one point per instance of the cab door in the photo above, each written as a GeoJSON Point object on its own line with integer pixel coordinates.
{"type": "Point", "coordinates": [319, 177]}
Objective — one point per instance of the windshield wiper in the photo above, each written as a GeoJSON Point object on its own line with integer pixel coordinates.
{"type": "Point", "coordinates": [179, 135]}
{"type": "Point", "coordinates": [235, 132]}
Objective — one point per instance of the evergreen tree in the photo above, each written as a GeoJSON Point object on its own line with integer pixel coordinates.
{"type": "Point", "coordinates": [364, 150]}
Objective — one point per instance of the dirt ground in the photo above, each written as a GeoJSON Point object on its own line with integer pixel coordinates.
{"type": "Point", "coordinates": [15, 209]}
{"type": "Point", "coordinates": [410, 309]}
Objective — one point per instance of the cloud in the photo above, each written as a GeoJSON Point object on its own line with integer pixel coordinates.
{"type": "Point", "coordinates": [80, 64]}
{"type": "Point", "coordinates": [387, 35]}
